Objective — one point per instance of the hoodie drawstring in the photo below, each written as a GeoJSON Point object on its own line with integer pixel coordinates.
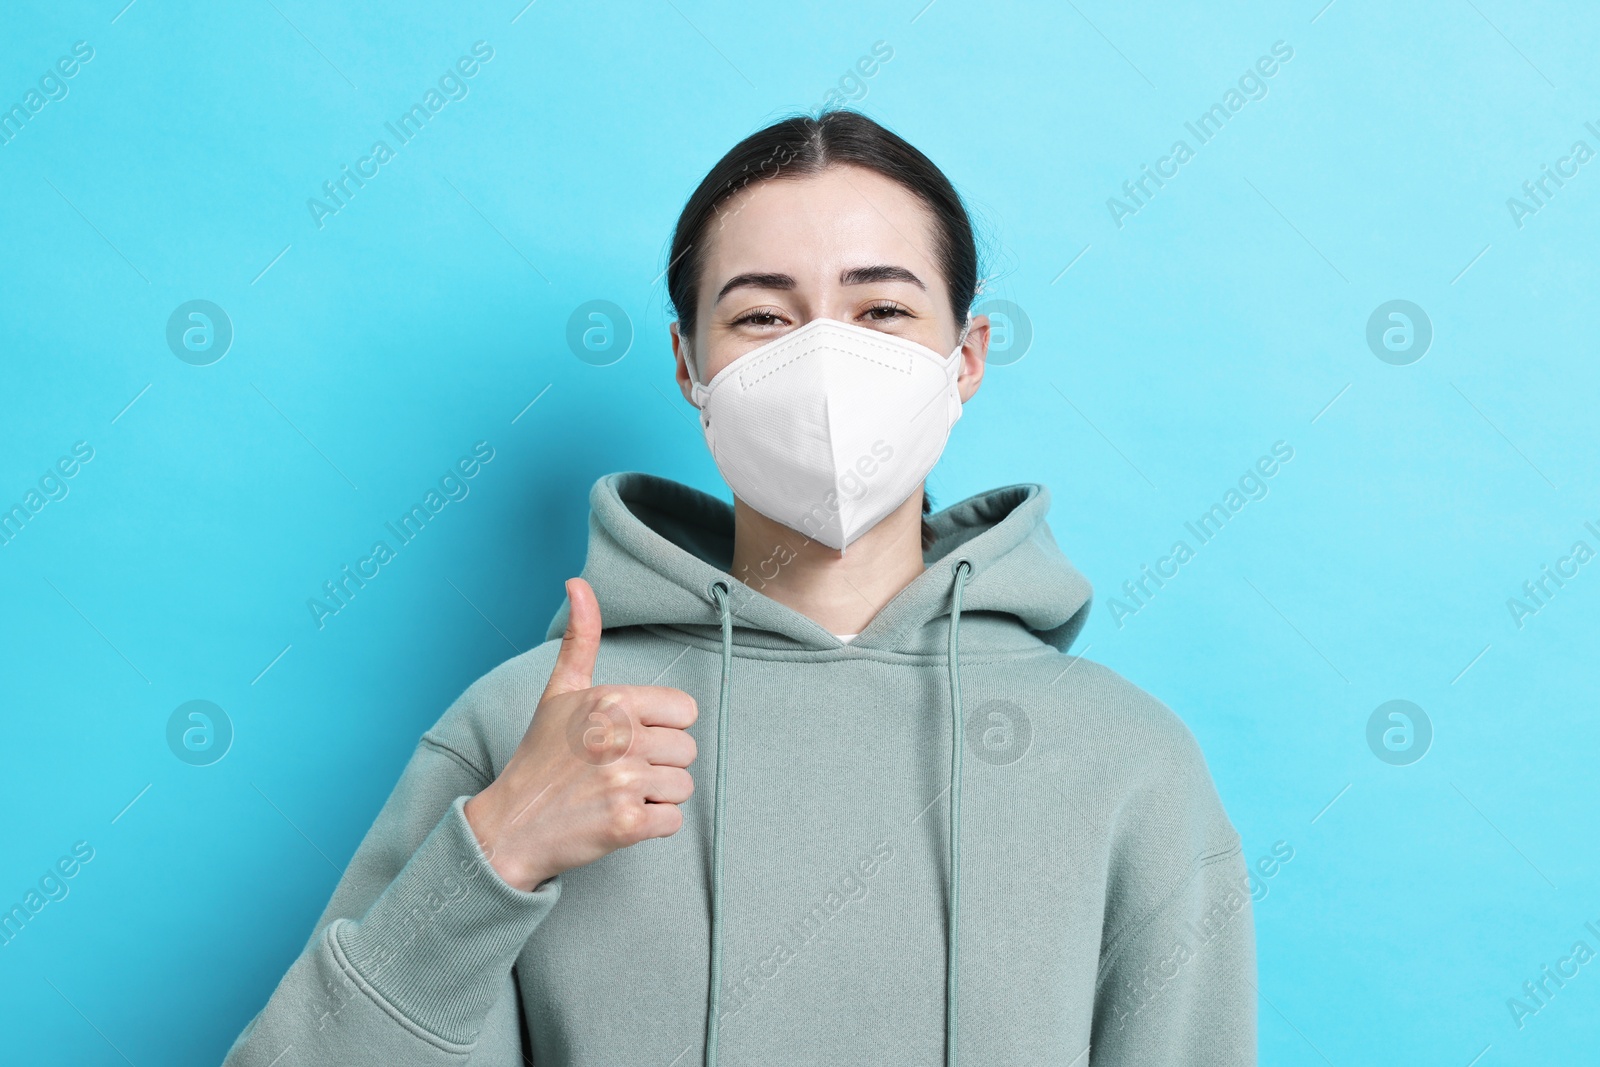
{"type": "Point", "coordinates": [963, 570]}
{"type": "Point", "coordinates": [719, 593]}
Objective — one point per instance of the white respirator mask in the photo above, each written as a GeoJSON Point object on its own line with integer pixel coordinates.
{"type": "Point", "coordinates": [832, 426]}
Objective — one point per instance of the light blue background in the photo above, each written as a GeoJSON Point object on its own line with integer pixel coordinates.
{"type": "Point", "coordinates": [1228, 314]}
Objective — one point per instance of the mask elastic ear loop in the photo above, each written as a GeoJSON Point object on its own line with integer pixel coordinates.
{"type": "Point", "coordinates": [961, 341]}
{"type": "Point", "coordinates": [953, 370]}
{"type": "Point", "coordinates": [696, 390]}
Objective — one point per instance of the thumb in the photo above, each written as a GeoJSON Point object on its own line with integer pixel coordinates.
{"type": "Point", "coordinates": [580, 645]}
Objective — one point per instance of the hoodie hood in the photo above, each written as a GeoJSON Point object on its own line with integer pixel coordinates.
{"type": "Point", "coordinates": [657, 546]}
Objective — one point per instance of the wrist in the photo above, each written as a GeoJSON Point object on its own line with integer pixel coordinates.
{"type": "Point", "coordinates": [483, 818]}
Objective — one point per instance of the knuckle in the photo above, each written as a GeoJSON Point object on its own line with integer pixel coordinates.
{"type": "Point", "coordinates": [606, 696]}
{"type": "Point", "coordinates": [620, 779]}
{"type": "Point", "coordinates": [627, 819]}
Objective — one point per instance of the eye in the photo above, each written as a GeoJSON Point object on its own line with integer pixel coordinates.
{"type": "Point", "coordinates": [885, 312]}
{"type": "Point", "coordinates": [758, 317]}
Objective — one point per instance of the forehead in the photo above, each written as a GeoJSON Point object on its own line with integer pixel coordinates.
{"type": "Point", "coordinates": [841, 217]}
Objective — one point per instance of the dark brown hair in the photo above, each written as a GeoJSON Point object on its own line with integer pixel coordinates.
{"type": "Point", "coordinates": [804, 145]}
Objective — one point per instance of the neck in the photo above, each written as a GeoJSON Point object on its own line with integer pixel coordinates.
{"type": "Point", "coordinates": [841, 592]}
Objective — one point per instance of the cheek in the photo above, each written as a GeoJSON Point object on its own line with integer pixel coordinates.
{"type": "Point", "coordinates": [721, 348]}
{"type": "Point", "coordinates": [710, 363]}
{"type": "Point", "coordinates": [934, 328]}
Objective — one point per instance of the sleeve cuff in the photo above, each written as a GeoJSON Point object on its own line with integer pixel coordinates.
{"type": "Point", "coordinates": [438, 942]}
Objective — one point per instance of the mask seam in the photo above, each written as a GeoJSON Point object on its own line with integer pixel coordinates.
{"type": "Point", "coordinates": [882, 345]}
{"type": "Point", "coordinates": [747, 381]}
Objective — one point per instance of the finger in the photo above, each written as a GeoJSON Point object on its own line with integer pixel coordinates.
{"type": "Point", "coordinates": [666, 785]}
{"type": "Point", "coordinates": [657, 705]}
{"type": "Point", "coordinates": [580, 645]}
{"type": "Point", "coordinates": [665, 746]}
{"type": "Point", "coordinates": [660, 820]}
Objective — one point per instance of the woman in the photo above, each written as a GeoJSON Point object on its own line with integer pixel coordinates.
{"type": "Point", "coordinates": [540, 887]}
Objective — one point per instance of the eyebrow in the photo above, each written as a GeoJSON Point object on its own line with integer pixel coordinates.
{"type": "Point", "coordinates": [882, 273]}
{"type": "Point", "coordinates": [853, 276]}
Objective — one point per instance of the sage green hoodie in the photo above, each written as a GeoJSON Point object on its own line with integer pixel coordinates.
{"type": "Point", "coordinates": [1094, 890]}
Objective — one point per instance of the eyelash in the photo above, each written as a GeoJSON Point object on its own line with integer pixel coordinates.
{"type": "Point", "coordinates": [750, 317]}
{"type": "Point", "coordinates": [899, 312]}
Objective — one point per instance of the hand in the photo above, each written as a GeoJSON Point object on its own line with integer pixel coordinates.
{"type": "Point", "coordinates": [600, 767]}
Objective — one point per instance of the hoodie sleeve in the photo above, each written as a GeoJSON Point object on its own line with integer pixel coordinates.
{"type": "Point", "coordinates": [1176, 981]}
{"type": "Point", "coordinates": [1180, 989]}
{"type": "Point", "coordinates": [411, 960]}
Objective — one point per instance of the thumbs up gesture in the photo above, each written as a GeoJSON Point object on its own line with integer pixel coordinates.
{"type": "Point", "coordinates": [600, 767]}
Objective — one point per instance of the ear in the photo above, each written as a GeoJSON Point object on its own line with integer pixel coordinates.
{"type": "Point", "coordinates": [682, 356]}
{"type": "Point", "coordinates": [974, 357]}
